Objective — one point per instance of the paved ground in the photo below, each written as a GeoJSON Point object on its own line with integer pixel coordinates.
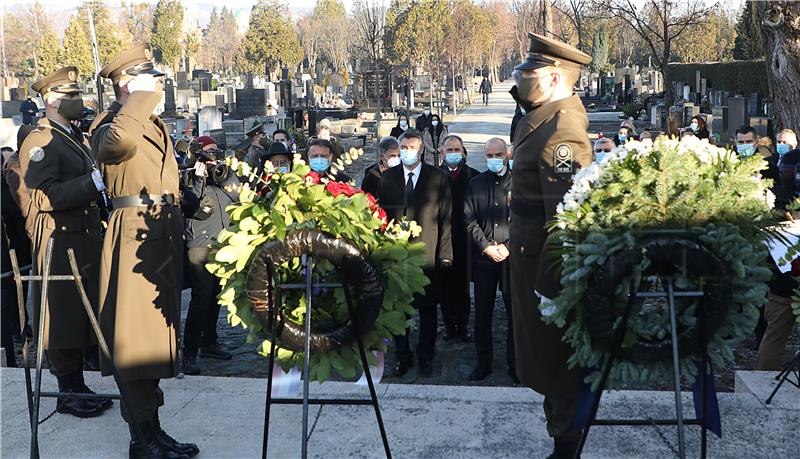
{"type": "Point", "coordinates": [224, 416]}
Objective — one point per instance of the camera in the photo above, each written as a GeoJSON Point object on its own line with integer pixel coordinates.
{"type": "Point", "coordinates": [218, 172]}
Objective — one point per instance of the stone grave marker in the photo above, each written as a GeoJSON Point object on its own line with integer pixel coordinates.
{"type": "Point", "coordinates": [169, 98]}
{"type": "Point", "coordinates": [208, 118]}
{"type": "Point", "coordinates": [737, 114]}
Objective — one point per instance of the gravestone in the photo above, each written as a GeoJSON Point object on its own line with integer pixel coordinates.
{"type": "Point", "coordinates": [703, 87]}
{"type": "Point", "coordinates": [182, 79]}
{"type": "Point", "coordinates": [761, 124]}
{"type": "Point", "coordinates": [208, 98]}
{"type": "Point", "coordinates": [689, 110]}
{"type": "Point", "coordinates": [220, 101]}
{"type": "Point", "coordinates": [709, 119]}
{"type": "Point", "coordinates": [251, 102]}
{"type": "Point", "coordinates": [719, 125]}
{"type": "Point", "coordinates": [737, 114]}
{"type": "Point", "coordinates": [697, 81]}
{"type": "Point", "coordinates": [234, 132]}
{"type": "Point", "coordinates": [219, 137]}
{"type": "Point", "coordinates": [686, 92]}
{"type": "Point", "coordinates": [169, 98]}
{"type": "Point", "coordinates": [754, 104]}
{"type": "Point", "coordinates": [208, 119]}
{"type": "Point", "coordinates": [230, 94]}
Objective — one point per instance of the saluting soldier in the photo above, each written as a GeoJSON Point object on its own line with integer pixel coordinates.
{"type": "Point", "coordinates": [59, 171]}
{"type": "Point", "coordinates": [550, 144]}
{"type": "Point", "coordinates": [140, 278]}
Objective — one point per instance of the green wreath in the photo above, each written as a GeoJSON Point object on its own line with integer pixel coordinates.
{"type": "Point", "coordinates": [685, 189]}
{"type": "Point", "coordinates": [301, 200]}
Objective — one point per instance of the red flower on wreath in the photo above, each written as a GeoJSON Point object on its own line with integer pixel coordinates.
{"type": "Point", "coordinates": [312, 178]}
{"type": "Point", "coordinates": [337, 188]}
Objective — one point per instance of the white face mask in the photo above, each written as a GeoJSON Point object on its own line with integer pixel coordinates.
{"type": "Point", "coordinates": [426, 112]}
{"type": "Point", "coordinates": [434, 123]}
{"type": "Point", "coordinates": [403, 124]}
{"type": "Point", "coordinates": [393, 161]}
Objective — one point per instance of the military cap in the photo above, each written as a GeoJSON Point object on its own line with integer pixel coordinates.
{"type": "Point", "coordinates": [547, 52]}
{"type": "Point", "coordinates": [135, 61]}
{"type": "Point", "coordinates": [255, 129]}
{"type": "Point", "coordinates": [276, 148]}
{"type": "Point", "coordinates": [64, 80]}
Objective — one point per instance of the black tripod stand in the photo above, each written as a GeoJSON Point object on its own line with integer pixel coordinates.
{"type": "Point", "coordinates": [793, 366]}
{"type": "Point", "coordinates": [308, 286]}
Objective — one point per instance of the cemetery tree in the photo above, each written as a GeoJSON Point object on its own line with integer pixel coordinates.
{"type": "Point", "coordinates": [110, 40]}
{"type": "Point", "coordinates": [17, 55]}
{"type": "Point", "coordinates": [781, 35]}
{"type": "Point", "coordinates": [271, 40]}
{"type": "Point", "coordinates": [191, 46]}
{"type": "Point", "coordinates": [47, 53]}
{"type": "Point", "coordinates": [220, 41]}
{"type": "Point", "coordinates": [749, 38]}
{"type": "Point", "coordinates": [576, 11]}
{"type": "Point", "coordinates": [707, 42]}
{"type": "Point", "coordinates": [36, 30]}
{"type": "Point", "coordinates": [368, 24]}
{"type": "Point", "coordinates": [329, 18]}
{"type": "Point", "coordinates": [502, 41]}
{"type": "Point", "coordinates": [659, 23]}
{"type": "Point", "coordinates": [77, 48]}
{"type": "Point", "coordinates": [165, 39]}
{"type": "Point", "coordinates": [138, 21]}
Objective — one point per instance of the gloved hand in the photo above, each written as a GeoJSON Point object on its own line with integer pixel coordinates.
{"type": "Point", "coordinates": [97, 178]}
{"type": "Point", "coordinates": [143, 82]}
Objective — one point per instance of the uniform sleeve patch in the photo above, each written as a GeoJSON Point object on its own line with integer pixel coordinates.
{"type": "Point", "coordinates": [36, 154]}
{"type": "Point", "coordinates": [562, 159]}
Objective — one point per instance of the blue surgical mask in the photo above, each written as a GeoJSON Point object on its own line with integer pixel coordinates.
{"type": "Point", "coordinates": [409, 157]}
{"type": "Point", "coordinates": [599, 156]}
{"type": "Point", "coordinates": [452, 158]}
{"type": "Point", "coordinates": [622, 137]}
{"type": "Point", "coordinates": [510, 164]}
{"type": "Point", "coordinates": [319, 164]}
{"type": "Point", "coordinates": [745, 149]}
{"type": "Point", "coordinates": [694, 127]}
{"type": "Point", "coordinates": [495, 165]}
{"type": "Point", "coordinates": [783, 148]}
{"type": "Point", "coordinates": [283, 169]}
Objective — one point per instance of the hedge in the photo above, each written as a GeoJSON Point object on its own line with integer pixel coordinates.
{"type": "Point", "coordinates": [742, 77]}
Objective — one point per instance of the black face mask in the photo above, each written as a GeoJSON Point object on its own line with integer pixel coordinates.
{"type": "Point", "coordinates": [71, 109]}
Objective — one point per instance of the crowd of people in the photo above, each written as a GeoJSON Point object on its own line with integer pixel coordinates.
{"type": "Point", "coordinates": [141, 214]}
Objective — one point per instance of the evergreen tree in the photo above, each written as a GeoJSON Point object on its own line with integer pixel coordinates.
{"type": "Point", "coordinates": [77, 49]}
{"type": "Point", "coordinates": [749, 42]}
{"type": "Point", "coordinates": [110, 40]}
{"type": "Point", "coordinates": [47, 51]}
{"type": "Point", "coordinates": [165, 39]}
{"type": "Point", "coordinates": [271, 40]}
{"type": "Point", "coordinates": [600, 48]}
{"type": "Point", "coordinates": [221, 39]}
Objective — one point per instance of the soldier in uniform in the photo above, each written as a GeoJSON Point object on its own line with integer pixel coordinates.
{"type": "Point", "coordinates": [64, 185]}
{"type": "Point", "coordinates": [550, 144]}
{"type": "Point", "coordinates": [140, 277]}
{"type": "Point", "coordinates": [256, 150]}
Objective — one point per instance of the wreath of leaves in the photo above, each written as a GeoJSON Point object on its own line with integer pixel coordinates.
{"type": "Point", "coordinates": [301, 199]}
{"type": "Point", "coordinates": [688, 187]}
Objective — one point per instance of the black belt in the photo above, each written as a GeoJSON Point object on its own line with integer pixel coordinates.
{"type": "Point", "coordinates": [144, 200]}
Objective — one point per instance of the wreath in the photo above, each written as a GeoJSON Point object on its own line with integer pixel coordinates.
{"type": "Point", "coordinates": [651, 210]}
{"type": "Point", "coordinates": [283, 215]}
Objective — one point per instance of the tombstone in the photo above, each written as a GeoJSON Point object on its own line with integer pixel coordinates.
{"type": "Point", "coordinates": [230, 94]}
{"type": "Point", "coordinates": [248, 81]}
{"type": "Point", "coordinates": [234, 132]}
{"type": "Point", "coordinates": [686, 92]}
{"type": "Point", "coordinates": [689, 110]}
{"type": "Point", "coordinates": [220, 101]}
{"type": "Point", "coordinates": [208, 98]}
{"type": "Point", "coordinates": [697, 82]}
{"type": "Point", "coordinates": [169, 98]}
{"type": "Point", "coordinates": [251, 102]}
{"type": "Point", "coordinates": [219, 137]}
{"type": "Point", "coordinates": [761, 124]}
{"type": "Point", "coordinates": [709, 119]}
{"type": "Point", "coordinates": [183, 80]}
{"type": "Point", "coordinates": [754, 104]}
{"type": "Point", "coordinates": [285, 94]}
{"type": "Point", "coordinates": [208, 118]}
{"type": "Point", "coordinates": [719, 125]}
{"type": "Point", "coordinates": [737, 114]}
{"type": "Point", "coordinates": [655, 115]}
{"type": "Point", "coordinates": [270, 88]}
{"type": "Point", "coordinates": [703, 87]}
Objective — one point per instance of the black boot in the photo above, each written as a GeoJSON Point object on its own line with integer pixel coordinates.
{"type": "Point", "coordinates": [565, 447]}
{"type": "Point", "coordinates": [145, 445]}
{"type": "Point", "coordinates": [103, 403]}
{"type": "Point", "coordinates": [189, 449]}
{"type": "Point", "coordinates": [67, 404]}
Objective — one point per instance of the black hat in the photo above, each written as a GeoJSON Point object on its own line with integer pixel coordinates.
{"type": "Point", "coordinates": [276, 148]}
{"type": "Point", "coordinates": [254, 130]}
{"type": "Point", "coordinates": [547, 52]}
{"type": "Point", "coordinates": [135, 61]}
{"type": "Point", "coordinates": [63, 80]}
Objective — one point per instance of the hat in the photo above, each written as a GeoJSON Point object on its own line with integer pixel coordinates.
{"type": "Point", "coordinates": [64, 80]}
{"type": "Point", "coordinates": [547, 52]}
{"type": "Point", "coordinates": [325, 122]}
{"type": "Point", "coordinates": [205, 141]}
{"type": "Point", "coordinates": [256, 129]}
{"type": "Point", "coordinates": [135, 61]}
{"type": "Point", "coordinates": [276, 148]}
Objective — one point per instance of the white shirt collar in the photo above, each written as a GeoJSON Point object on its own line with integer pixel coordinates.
{"type": "Point", "coordinates": [66, 128]}
{"type": "Point", "coordinates": [416, 171]}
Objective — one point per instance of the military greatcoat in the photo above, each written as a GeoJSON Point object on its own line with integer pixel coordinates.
{"type": "Point", "coordinates": [141, 273]}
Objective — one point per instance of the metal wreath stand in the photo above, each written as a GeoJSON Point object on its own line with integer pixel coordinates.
{"type": "Point", "coordinates": [35, 394]}
{"type": "Point", "coordinates": [669, 255]}
{"type": "Point", "coordinates": [359, 276]}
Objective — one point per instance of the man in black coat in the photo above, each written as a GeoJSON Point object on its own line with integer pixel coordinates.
{"type": "Point", "coordinates": [485, 89]}
{"type": "Point", "coordinates": [423, 120]}
{"type": "Point", "coordinates": [486, 215]}
{"type": "Point", "coordinates": [388, 157]}
{"type": "Point", "coordinates": [420, 192]}
{"type": "Point", "coordinates": [455, 305]}
{"type": "Point", "coordinates": [29, 109]}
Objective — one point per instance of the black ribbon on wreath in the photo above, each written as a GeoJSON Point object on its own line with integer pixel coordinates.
{"type": "Point", "coordinates": [669, 256]}
{"type": "Point", "coordinates": [359, 275]}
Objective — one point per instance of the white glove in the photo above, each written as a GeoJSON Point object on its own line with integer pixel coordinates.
{"type": "Point", "coordinates": [200, 169]}
{"type": "Point", "coordinates": [546, 305]}
{"type": "Point", "coordinates": [97, 178]}
{"type": "Point", "coordinates": [143, 82]}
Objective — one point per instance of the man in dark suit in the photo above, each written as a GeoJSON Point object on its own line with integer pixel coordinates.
{"type": "Point", "coordinates": [420, 192]}
{"type": "Point", "coordinates": [388, 157]}
{"type": "Point", "coordinates": [455, 305]}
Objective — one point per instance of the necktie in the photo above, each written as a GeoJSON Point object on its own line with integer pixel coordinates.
{"type": "Point", "coordinates": [409, 186]}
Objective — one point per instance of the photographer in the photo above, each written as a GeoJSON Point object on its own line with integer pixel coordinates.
{"type": "Point", "coordinates": [217, 187]}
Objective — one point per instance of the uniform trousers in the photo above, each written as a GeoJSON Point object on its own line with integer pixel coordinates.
{"type": "Point", "coordinates": [780, 323]}
{"type": "Point", "coordinates": [144, 396]}
{"type": "Point", "coordinates": [487, 280]}
{"type": "Point", "coordinates": [428, 323]}
{"type": "Point", "coordinates": [64, 362]}
{"type": "Point", "coordinates": [201, 319]}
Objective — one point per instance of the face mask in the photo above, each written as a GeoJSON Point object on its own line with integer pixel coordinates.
{"type": "Point", "coordinates": [409, 157]}
{"type": "Point", "coordinates": [393, 161]}
{"type": "Point", "coordinates": [426, 112]}
{"type": "Point", "coordinates": [434, 123]}
{"type": "Point", "coordinates": [403, 124]}
{"type": "Point", "coordinates": [510, 164]}
{"type": "Point", "coordinates": [694, 127]}
{"type": "Point", "coordinates": [283, 169]}
{"type": "Point", "coordinates": [71, 109]}
{"type": "Point", "coordinates": [319, 164]}
{"type": "Point", "coordinates": [622, 137]}
{"type": "Point", "coordinates": [495, 165]}
{"type": "Point", "coordinates": [452, 158]}
{"type": "Point", "coordinates": [745, 149]}
{"type": "Point", "coordinates": [598, 157]}
{"type": "Point", "coordinates": [530, 91]}
{"type": "Point", "coordinates": [783, 148]}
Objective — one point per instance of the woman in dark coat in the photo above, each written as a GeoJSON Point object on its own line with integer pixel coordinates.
{"type": "Point", "coordinates": [699, 126]}
{"type": "Point", "coordinates": [402, 125]}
